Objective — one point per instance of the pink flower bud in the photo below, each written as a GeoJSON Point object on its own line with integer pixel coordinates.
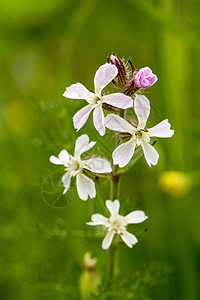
{"type": "Point", "coordinates": [144, 78]}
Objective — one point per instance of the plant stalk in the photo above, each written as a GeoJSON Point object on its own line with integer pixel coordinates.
{"type": "Point", "coordinates": [114, 194]}
{"type": "Point", "coordinates": [112, 262]}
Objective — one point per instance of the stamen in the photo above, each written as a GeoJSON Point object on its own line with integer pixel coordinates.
{"type": "Point", "coordinates": [145, 130]}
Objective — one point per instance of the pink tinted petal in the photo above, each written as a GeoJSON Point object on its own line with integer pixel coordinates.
{"type": "Point", "coordinates": [145, 83]}
{"type": "Point", "coordinates": [137, 78]}
{"type": "Point", "coordinates": [150, 153]}
{"type": "Point", "coordinates": [107, 240]}
{"type": "Point", "coordinates": [146, 71]}
{"type": "Point", "coordinates": [98, 118]}
{"type": "Point", "coordinates": [83, 145]}
{"type": "Point", "coordinates": [145, 78]}
{"type": "Point", "coordinates": [76, 91]}
{"type": "Point", "coordinates": [104, 75]}
{"type": "Point", "coordinates": [148, 81]}
{"type": "Point", "coordinates": [114, 122]}
{"type": "Point", "coordinates": [142, 110]}
{"type": "Point", "coordinates": [161, 130]}
{"type": "Point", "coordinates": [118, 100]}
{"type": "Point", "coordinates": [153, 79]}
{"type": "Point", "coordinates": [80, 118]}
{"type": "Point", "coordinates": [123, 153]}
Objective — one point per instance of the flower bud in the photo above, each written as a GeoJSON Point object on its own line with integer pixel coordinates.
{"type": "Point", "coordinates": [115, 60]}
{"type": "Point", "coordinates": [144, 78]}
{"type": "Point", "coordinates": [89, 281]}
{"type": "Point", "coordinates": [122, 76]}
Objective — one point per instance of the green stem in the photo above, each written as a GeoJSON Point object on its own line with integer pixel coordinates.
{"type": "Point", "coordinates": [114, 194]}
{"type": "Point", "coordinates": [115, 185]}
{"type": "Point", "coordinates": [113, 250]}
{"type": "Point", "coordinates": [115, 182]}
{"type": "Point", "coordinates": [112, 262]}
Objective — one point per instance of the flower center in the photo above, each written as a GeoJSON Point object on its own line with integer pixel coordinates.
{"type": "Point", "coordinates": [117, 224]}
{"type": "Point", "coordinates": [96, 100]}
{"type": "Point", "coordinates": [141, 134]}
{"type": "Point", "coordinates": [75, 165]}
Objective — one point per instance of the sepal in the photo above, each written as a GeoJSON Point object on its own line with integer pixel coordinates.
{"type": "Point", "coordinates": [97, 177]}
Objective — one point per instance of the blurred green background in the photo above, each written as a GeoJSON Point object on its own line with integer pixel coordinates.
{"type": "Point", "coordinates": [45, 47]}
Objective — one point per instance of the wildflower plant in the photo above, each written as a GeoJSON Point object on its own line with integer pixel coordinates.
{"type": "Point", "coordinates": [109, 111]}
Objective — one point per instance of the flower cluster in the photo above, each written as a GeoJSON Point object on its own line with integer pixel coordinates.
{"type": "Point", "coordinates": [128, 80]}
{"type": "Point", "coordinates": [130, 84]}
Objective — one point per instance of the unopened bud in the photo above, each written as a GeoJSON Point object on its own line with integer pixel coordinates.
{"type": "Point", "coordinates": [122, 77]}
{"type": "Point", "coordinates": [89, 281]}
{"type": "Point", "coordinates": [144, 78]}
{"type": "Point", "coordinates": [124, 81]}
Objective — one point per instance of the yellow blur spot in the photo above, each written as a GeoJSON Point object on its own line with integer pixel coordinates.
{"type": "Point", "coordinates": [175, 183]}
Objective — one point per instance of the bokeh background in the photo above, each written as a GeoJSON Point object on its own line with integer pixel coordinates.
{"type": "Point", "coordinates": [45, 47]}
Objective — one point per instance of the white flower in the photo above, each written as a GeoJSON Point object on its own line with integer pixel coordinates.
{"type": "Point", "coordinates": [74, 166]}
{"type": "Point", "coordinates": [104, 75]}
{"type": "Point", "coordinates": [140, 134]}
{"type": "Point", "coordinates": [117, 224]}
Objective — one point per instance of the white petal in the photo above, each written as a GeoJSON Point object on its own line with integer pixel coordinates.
{"type": "Point", "coordinates": [80, 118]}
{"type": "Point", "coordinates": [118, 100]}
{"type": "Point", "coordinates": [64, 156]}
{"type": "Point", "coordinates": [129, 239]}
{"type": "Point", "coordinates": [142, 109]}
{"type": "Point", "coordinates": [62, 159]}
{"type": "Point", "coordinates": [135, 217]}
{"type": "Point", "coordinates": [161, 130]}
{"type": "Point", "coordinates": [98, 219]}
{"type": "Point", "coordinates": [83, 145]}
{"type": "Point", "coordinates": [104, 75]}
{"type": "Point", "coordinates": [117, 123]}
{"type": "Point", "coordinates": [150, 153]}
{"type": "Point", "coordinates": [85, 187]}
{"type": "Point", "coordinates": [123, 153]}
{"type": "Point", "coordinates": [55, 160]}
{"type": "Point", "coordinates": [76, 91]}
{"type": "Point", "coordinates": [107, 240]}
{"type": "Point", "coordinates": [113, 206]}
{"type": "Point", "coordinates": [66, 180]}
{"type": "Point", "coordinates": [98, 165]}
{"type": "Point", "coordinates": [99, 122]}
